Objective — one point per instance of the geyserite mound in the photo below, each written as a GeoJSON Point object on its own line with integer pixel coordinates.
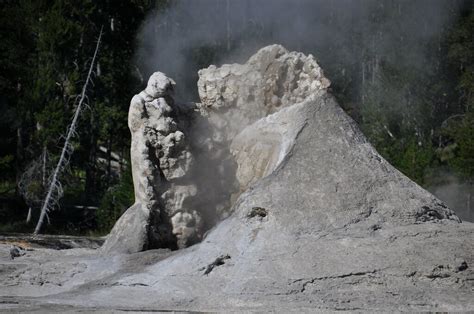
{"type": "Point", "coordinates": [319, 219]}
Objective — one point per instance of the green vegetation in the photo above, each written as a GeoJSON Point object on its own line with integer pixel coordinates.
{"type": "Point", "coordinates": [115, 200]}
{"type": "Point", "coordinates": [420, 121]}
{"type": "Point", "coordinates": [46, 49]}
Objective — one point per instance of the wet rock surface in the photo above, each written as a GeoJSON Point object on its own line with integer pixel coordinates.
{"type": "Point", "coordinates": [321, 222]}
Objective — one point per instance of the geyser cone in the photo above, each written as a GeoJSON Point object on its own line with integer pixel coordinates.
{"type": "Point", "coordinates": [323, 221]}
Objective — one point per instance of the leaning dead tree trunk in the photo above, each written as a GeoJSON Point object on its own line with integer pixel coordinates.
{"type": "Point", "coordinates": [54, 188]}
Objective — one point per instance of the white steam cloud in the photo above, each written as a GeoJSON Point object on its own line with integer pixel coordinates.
{"type": "Point", "coordinates": [348, 37]}
{"type": "Point", "coordinates": [340, 33]}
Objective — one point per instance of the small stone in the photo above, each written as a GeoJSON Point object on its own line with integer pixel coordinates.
{"type": "Point", "coordinates": [258, 212]}
{"type": "Point", "coordinates": [461, 265]}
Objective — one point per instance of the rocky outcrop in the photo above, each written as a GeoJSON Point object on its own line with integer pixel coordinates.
{"type": "Point", "coordinates": [161, 161]}
{"type": "Point", "coordinates": [234, 95]}
{"type": "Point", "coordinates": [179, 196]}
{"type": "Point", "coordinates": [320, 221]}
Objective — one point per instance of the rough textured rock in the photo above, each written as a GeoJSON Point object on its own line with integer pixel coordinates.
{"type": "Point", "coordinates": [130, 233]}
{"type": "Point", "coordinates": [161, 159]}
{"type": "Point", "coordinates": [323, 223]}
{"type": "Point", "coordinates": [235, 95]}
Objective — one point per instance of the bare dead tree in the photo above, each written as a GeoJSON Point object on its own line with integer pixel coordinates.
{"type": "Point", "coordinates": [54, 190]}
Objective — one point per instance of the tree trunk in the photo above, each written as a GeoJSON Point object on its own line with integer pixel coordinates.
{"type": "Point", "coordinates": [91, 173]}
{"type": "Point", "coordinates": [109, 160]}
{"type": "Point", "coordinates": [362, 90]}
{"type": "Point", "coordinates": [469, 199]}
{"type": "Point", "coordinates": [55, 185]}
{"type": "Point", "coordinates": [19, 154]}
{"type": "Point", "coordinates": [228, 23]}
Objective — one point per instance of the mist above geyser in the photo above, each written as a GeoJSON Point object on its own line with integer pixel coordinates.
{"type": "Point", "coordinates": [343, 35]}
{"type": "Point", "coordinates": [351, 39]}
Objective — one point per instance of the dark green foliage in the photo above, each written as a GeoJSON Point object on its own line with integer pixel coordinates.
{"type": "Point", "coordinates": [461, 128]}
{"type": "Point", "coordinates": [422, 120]}
{"type": "Point", "coordinates": [462, 158]}
{"type": "Point", "coordinates": [45, 49]}
{"type": "Point", "coordinates": [115, 201]}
